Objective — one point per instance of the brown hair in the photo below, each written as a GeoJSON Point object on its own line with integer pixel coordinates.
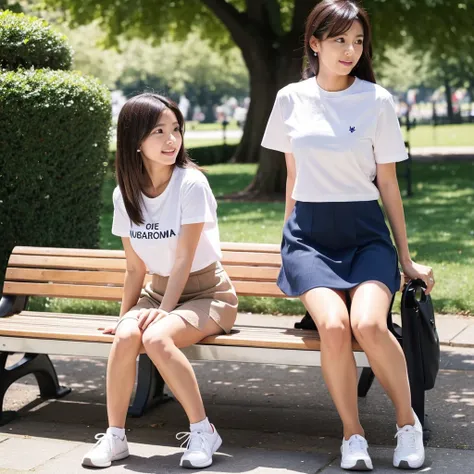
{"type": "Point", "coordinates": [136, 120]}
{"type": "Point", "coordinates": [331, 18]}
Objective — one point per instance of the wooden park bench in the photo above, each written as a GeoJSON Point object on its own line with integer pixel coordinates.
{"type": "Point", "coordinates": [98, 275]}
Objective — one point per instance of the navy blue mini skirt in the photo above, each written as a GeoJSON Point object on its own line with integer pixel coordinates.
{"type": "Point", "coordinates": [336, 245]}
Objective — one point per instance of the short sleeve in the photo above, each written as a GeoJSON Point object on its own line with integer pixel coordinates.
{"type": "Point", "coordinates": [121, 221]}
{"type": "Point", "coordinates": [198, 203]}
{"type": "Point", "coordinates": [389, 146]}
{"type": "Point", "coordinates": [276, 136]}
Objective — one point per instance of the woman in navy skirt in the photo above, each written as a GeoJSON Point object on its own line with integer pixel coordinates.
{"type": "Point", "coordinates": [341, 139]}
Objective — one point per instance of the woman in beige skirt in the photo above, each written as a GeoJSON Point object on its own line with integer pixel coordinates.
{"type": "Point", "coordinates": [165, 213]}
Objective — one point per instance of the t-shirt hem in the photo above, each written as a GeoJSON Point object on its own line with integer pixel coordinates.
{"type": "Point", "coordinates": [272, 147]}
{"type": "Point", "coordinates": [391, 159]}
{"type": "Point", "coordinates": [120, 234]}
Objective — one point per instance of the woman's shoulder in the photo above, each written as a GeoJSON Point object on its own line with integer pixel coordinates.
{"type": "Point", "coordinates": [379, 92]}
{"type": "Point", "coordinates": [117, 196]}
{"type": "Point", "coordinates": [297, 88]}
{"type": "Point", "coordinates": [191, 175]}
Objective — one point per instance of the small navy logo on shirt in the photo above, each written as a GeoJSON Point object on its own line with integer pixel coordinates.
{"type": "Point", "coordinates": [352, 129]}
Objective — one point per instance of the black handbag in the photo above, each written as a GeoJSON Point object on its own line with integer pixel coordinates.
{"type": "Point", "coordinates": [418, 317]}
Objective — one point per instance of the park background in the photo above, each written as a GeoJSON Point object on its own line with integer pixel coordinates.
{"type": "Point", "coordinates": [223, 61]}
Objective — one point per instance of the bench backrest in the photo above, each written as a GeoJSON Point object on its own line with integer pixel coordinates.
{"type": "Point", "coordinates": [99, 274]}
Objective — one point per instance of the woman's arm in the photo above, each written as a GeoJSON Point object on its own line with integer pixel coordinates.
{"type": "Point", "coordinates": [134, 276]}
{"type": "Point", "coordinates": [133, 282]}
{"type": "Point", "coordinates": [290, 184]}
{"type": "Point", "coordinates": [387, 184]}
{"type": "Point", "coordinates": [187, 243]}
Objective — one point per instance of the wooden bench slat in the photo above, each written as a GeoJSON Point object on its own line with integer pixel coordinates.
{"type": "Point", "coordinates": [250, 247]}
{"type": "Point", "coordinates": [94, 253]}
{"type": "Point", "coordinates": [254, 274]}
{"type": "Point", "coordinates": [112, 264]}
{"type": "Point", "coordinates": [251, 258]}
{"type": "Point", "coordinates": [74, 263]}
{"type": "Point", "coordinates": [107, 293]}
{"type": "Point", "coordinates": [68, 252]}
{"type": "Point", "coordinates": [114, 293]}
{"type": "Point", "coordinates": [79, 329]}
{"type": "Point", "coordinates": [65, 276]}
{"type": "Point", "coordinates": [250, 288]}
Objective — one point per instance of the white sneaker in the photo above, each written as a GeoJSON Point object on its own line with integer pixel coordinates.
{"type": "Point", "coordinates": [354, 454]}
{"type": "Point", "coordinates": [107, 449]}
{"type": "Point", "coordinates": [410, 452]}
{"type": "Point", "coordinates": [200, 447]}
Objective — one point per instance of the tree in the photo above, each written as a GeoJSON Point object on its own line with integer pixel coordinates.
{"type": "Point", "coordinates": [269, 34]}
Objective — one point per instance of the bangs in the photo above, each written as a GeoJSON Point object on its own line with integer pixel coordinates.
{"type": "Point", "coordinates": [340, 20]}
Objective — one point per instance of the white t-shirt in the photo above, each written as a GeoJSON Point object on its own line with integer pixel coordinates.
{"type": "Point", "coordinates": [336, 138]}
{"type": "Point", "coordinates": [187, 199]}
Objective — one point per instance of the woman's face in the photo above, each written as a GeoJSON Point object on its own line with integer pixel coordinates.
{"type": "Point", "coordinates": [340, 54]}
{"type": "Point", "coordinates": [163, 143]}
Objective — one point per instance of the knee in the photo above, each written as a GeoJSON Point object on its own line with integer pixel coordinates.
{"type": "Point", "coordinates": [369, 331]}
{"type": "Point", "coordinates": [158, 344]}
{"type": "Point", "coordinates": [334, 333]}
{"type": "Point", "coordinates": [127, 340]}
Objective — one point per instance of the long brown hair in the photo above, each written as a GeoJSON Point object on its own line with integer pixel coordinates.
{"type": "Point", "coordinates": [136, 120]}
{"type": "Point", "coordinates": [331, 18]}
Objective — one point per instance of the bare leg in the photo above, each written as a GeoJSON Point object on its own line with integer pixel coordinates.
{"type": "Point", "coordinates": [370, 305]}
{"type": "Point", "coordinates": [328, 309]}
{"type": "Point", "coordinates": [162, 341]}
{"type": "Point", "coordinates": [121, 369]}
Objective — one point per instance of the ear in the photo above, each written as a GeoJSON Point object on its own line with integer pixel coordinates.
{"type": "Point", "coordinates": [314, 43]}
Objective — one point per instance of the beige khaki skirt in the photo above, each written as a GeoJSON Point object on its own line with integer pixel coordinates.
{"type": "Point", "coordinates": [208, 293]}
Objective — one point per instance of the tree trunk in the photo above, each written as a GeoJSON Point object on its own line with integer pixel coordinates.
{"type": "Point", "coordinates": [267, 76]}
{"type": "Point", "coordinates": [274, 59]}
{"type": "Point", "coordinates": [449, 101]}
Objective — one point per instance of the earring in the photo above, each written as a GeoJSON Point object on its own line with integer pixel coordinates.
{"type": "Point", "coordinates": [138, 150]}
{"type": "Point", "coordinates": [315, 53]}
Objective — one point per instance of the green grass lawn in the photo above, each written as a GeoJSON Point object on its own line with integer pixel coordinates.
{"type": "Point", "coordinates": [197, 143]}
{"type": "Point", "coordinates": [442, 135]}
{"type": "Point", "coordinates": [440, 225]}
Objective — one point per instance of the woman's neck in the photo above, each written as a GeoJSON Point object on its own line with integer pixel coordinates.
{"type": "Point", "coordinates": [157, 177]}
{"type": "Point", "coordinates": [334, 83]}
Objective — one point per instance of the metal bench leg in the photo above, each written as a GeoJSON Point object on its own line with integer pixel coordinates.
{"type": "Point", "coordinates": [37, 364]}
{"type": "Point", "coordinates": [418, 404]}
{"type": "Point", "coordinates": [365, 381]}
{"type": "Point", "coordinates": [150, 388]}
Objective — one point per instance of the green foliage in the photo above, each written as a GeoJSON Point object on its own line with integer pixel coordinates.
{"type": "Point", "coordinates": [211, 155]}
{"type": "Point", "coordinates": [192, 67]}
{"type": "Point", "coordinates": [29, 42]}
{"type": "Point", "coordinates": [53, 144]}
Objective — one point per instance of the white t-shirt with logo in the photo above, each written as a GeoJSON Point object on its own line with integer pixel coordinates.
{"type": "Point", "coordinates": [337, 138]}
{"type": "Point", "coordinates": [187, 199]}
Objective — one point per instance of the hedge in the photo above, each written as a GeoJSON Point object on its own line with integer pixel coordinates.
{"type": "Point", "coordinates": [203, 156]}
{"type": "Point", "coordinates": [54, 129]}
{"type": "Point", "coordinates": [27, 42]}
{"type": "Point", "coordinates": [212, 155]}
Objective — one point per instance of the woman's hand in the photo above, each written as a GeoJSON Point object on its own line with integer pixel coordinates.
{"type": "Point", "coordinates": [146, 317]}
{"type": "Point", "coordinates": [416, 271]}
{"type": "Point", "coordinates": [110, 330]}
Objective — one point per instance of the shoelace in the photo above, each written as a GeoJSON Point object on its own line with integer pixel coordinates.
{"type": "Point", "coordinates": [357, 445]}
{"type": "Point", "coordinates": [407, 437]}
{"type": "Point", "coordinates": [193, 440]}
{"type": "Point", "coordinates": [100, 437]}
